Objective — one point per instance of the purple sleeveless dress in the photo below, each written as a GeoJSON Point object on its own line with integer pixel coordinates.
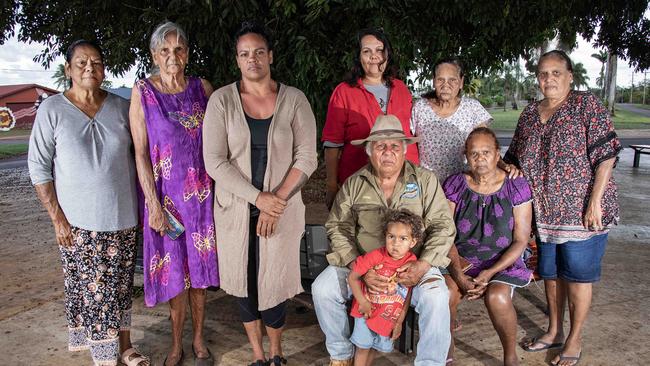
{"type": "Point", "coordinates": [174, 125]}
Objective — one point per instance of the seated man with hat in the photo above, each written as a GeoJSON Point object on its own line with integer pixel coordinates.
{"type": "Point", "coordinates": [389, 181]}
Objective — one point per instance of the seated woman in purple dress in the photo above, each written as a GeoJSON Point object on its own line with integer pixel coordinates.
{"type": "Point", "coordinates": [493, 220]}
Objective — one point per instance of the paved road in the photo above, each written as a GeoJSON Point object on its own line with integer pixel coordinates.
{"type": "Point", "coordinates": [14, 162]}
{"type": "Point", "coordinates": [17, 140]}
{"type": "Point", "coordinates": [634, 109]}
{"type": "Point", "coordinates": [20, 161]}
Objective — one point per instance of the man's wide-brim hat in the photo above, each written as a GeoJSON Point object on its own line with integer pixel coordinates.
{"type": "Point", "coordinates": [387, 127]}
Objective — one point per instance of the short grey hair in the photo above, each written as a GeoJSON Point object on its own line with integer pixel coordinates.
{"type": "Point", "coordinates": [369, 147]}
{"type": "Point", "coordinates": [158, 35]}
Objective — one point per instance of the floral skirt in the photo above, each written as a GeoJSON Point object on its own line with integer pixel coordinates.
{"type": "Point", "coordinates": [98, 274]}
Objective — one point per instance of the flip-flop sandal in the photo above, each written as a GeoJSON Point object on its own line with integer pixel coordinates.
{"type": "Point", "coordinates": [207, 361]}
{"type": "Point", "coordinates": [545, 346]}
{"type": "Point", "coordinates": [569, 358]}
{"type": "Point", "coordinates": [180, 360]}
{"type": "Point", "coordinates": [132, 357]}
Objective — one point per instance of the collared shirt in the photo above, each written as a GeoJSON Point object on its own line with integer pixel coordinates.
{"type": "Point", "coordinates": [352, 112]}
{"type": "Point", "coordinates": [354, 225]}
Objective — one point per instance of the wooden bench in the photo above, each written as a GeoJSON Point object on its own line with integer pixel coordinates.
{"type": "Point", "coordinates": [638, 150]}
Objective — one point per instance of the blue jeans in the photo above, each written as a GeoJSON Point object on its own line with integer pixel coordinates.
{"type": "Point", "coordinates": [331, 292]}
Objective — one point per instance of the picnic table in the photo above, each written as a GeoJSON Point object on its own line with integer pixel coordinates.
{"type": "Point", "coordinates": [638, 150]}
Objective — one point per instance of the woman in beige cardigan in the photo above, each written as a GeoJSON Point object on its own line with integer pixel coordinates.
{"type": "Point", "coordinates": [260, 148]}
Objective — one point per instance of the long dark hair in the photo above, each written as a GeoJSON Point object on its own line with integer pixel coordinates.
{"type": "Point", "coordinates": [390, 71]}
{"type": "Point", "coordinates": [447, 60]}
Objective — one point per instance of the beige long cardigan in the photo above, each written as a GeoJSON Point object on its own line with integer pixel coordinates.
{"type": "Point", "coordinates": [227, 155]}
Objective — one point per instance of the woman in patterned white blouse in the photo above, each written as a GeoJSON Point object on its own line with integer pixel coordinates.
{"type": "Point", "coordinates": [443, 118]}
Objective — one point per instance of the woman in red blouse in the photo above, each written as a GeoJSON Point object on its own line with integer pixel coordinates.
{"type": "Point", "coordinates": [566, 147]}
{"type": "Point", "coordinates": [369, 91]}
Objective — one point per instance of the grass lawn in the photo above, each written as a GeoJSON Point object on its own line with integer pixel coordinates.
{"type": "Point", "coordinates": [15, 133]}
{"type": "Point", "coordinates": [623, 120]}
{"type": "Point", "coordinates": [629, 120]}
{"type": "Point", "coordinates": [9, 150]}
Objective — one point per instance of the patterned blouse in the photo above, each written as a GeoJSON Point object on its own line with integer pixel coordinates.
{"type": "Point", "coordinates": [484, 225]}
{"type": "Point", "coordinates": [559, 158]}
{"type": "Point", "coordinates": [443, 139]}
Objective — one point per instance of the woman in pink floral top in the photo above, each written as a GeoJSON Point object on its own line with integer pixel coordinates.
{"type": "Point", "coordinates": [443, 118]}
{"type": "Point", "coordinates": [566, 147]}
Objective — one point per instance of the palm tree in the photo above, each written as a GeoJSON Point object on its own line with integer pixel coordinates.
{"type": "Point", "coordinates": [579, 75]}
{"type": "Point", "coordinates": [62, 82]}
{"type": "Point", "coordinates": [601, 56]}
{"type": "Point", "coordinates": [60, 79]}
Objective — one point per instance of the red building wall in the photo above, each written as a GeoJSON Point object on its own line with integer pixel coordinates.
{"type": "Point", "coordinates": [22, 105]}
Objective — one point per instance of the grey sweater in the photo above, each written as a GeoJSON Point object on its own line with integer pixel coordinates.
{"type": "Point", "coordinates": [90, 161]}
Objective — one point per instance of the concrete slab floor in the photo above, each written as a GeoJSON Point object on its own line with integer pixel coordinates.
{"type": "Point", "coordinates": [32, 321]}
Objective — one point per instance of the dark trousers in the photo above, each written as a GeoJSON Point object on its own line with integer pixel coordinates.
{"type": "Point", "coordinates": [248, 306]}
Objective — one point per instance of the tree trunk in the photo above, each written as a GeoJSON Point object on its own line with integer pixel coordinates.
{"type": "Point", "coordinates": [541, 51]}
{"type": "Point", "coordinates": [610, 85]}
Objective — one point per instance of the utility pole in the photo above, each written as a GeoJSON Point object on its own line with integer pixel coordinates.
{"type": "Point", "coordinates": [632, 88]}
{"type": "Point", "coordinates": [645, 84]}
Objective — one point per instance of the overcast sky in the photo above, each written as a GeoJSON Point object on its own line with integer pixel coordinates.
{"type": "Point", "coordinates": [17, 67]}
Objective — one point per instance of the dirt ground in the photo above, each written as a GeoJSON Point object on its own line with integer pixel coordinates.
{"type": "Point", "coordinates": [32, 321]}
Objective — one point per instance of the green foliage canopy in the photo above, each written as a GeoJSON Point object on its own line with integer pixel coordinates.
{"type": "Point", "coordinates": [314, 39]}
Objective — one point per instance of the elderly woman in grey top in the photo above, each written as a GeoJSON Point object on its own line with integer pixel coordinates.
{"type": "Point", "coordinates": [81, 163]}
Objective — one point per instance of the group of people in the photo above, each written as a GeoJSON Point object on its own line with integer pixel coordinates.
{"type": "Point", "coordinates": [423, 209]}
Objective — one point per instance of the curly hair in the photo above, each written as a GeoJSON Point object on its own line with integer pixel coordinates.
{"type": "Point", "coordinates": [405, 217]}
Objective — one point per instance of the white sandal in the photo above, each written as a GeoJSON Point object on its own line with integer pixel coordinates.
{"type": "Point", "coordinates": [131, 357]}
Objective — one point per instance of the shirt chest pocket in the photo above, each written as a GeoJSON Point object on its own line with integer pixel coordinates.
{"type": "Point", "coordinates": [369, 217]}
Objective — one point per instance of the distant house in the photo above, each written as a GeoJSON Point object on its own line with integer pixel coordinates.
{"type": "Point", "coordinates": [22, 100]}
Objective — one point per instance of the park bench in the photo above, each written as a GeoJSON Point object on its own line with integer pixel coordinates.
{"type": "Point", "coordinates": [638, 150]}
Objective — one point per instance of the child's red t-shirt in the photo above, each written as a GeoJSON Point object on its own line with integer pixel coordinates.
{"type": "Point", "coordinates": [386, 308]}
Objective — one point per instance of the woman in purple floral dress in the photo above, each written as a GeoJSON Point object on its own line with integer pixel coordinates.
{"type": "Point", "coordinates": [493, 215]}
{"type": "Point", "coordinates": [166, 121]}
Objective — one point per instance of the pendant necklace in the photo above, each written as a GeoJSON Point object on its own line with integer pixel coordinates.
{"type": "Point", "coordinates": [180, 101]}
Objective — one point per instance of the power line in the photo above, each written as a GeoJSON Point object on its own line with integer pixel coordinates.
{"type": "Point", "coordinates": [24, 70]}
